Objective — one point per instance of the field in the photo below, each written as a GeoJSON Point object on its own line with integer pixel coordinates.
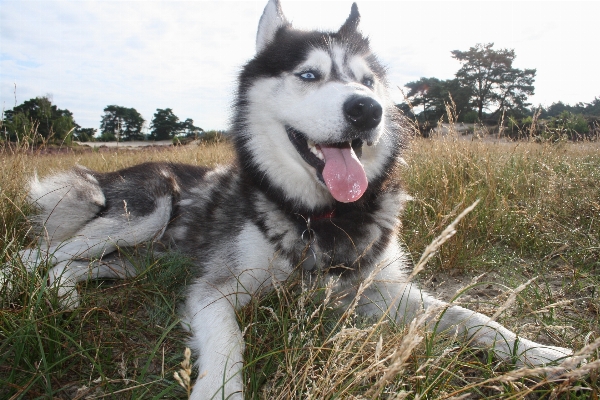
{"type": "Point", "coordinates": [537, 222]}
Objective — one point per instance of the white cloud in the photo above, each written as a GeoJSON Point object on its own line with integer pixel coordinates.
{"type": "Point", "coordinates": [186, 54]}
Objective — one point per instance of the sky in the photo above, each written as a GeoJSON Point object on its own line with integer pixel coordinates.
{"type": "Point", "coordinates": [185, 55]}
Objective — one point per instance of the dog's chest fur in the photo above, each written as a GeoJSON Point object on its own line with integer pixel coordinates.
{"type": "Point", "coordinates": [223, 207]}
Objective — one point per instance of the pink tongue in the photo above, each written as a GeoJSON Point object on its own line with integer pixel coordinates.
{"type": "Point", "coordinates": [343, 174]}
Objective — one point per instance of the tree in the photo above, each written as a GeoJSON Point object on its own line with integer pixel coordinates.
{"type": "Point", "coordinates": [587, 109]}
{"type": "Point", "coordinates": [592, 108]}
{"type": "Point", "coordinates": [84, 134]}
{"type": "Point", "coordinates": [493, 80]}
{"type": "Point", "coordinates": [426, 92]}
{"type": "Point", "coordinates": [165, 125]}
{"type": "Point", "coordinates": [38, 119]}
{"type": "Point", "coordinates": [554, 109]}
{"type": "Point", "coordinates": [434, 94]}
{"type": "Point", "coordinates": [121, 123]}
{"type": "Point", "coordinates": [189, 129]}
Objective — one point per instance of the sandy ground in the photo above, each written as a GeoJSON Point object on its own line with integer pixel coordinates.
{"type": "Point", "coordinates": [462, 129]}
{"type": "Point", "coordinates": [129, 144]}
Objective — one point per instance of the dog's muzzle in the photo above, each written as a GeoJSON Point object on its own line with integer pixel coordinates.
{"type": "Point", "coordinates": [363, 112]}
{"type": "Point", "coordinates": [338, 163]}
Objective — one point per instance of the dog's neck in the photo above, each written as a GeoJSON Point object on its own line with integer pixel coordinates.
{"type": "Point", "coordinates": [324, 215]}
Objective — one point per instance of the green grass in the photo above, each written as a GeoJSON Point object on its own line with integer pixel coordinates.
{"type": "Point", "coordinates": [124, 337]}
{"type": "Point", "coordinates": [538, 217]}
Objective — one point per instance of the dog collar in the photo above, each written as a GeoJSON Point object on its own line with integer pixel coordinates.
{"type": "Point", "coordinates": [308, 237]}
{"type": "Point", "coordinates": [327, 215]}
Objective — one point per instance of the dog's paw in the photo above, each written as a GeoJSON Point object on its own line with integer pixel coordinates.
{"type": "Point", "coordinates": [204, 391]}
{"type": "Point", "coordinates": [11, 284]}
{"type": "Point", "coordinates": [31, 258]}
{"type": "Point", "coordinates": [5, 274]}
{"type": "Point", "coordinates": [540, 355]}
{"type": "Point", "coordinates": [68, 298]}
{"type": "Point", "coordinates": [6, 286]}
{"type": "Point", "coordinates": [210, 386]}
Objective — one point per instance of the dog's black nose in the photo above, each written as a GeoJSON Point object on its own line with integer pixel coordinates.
{"type": "Point", "coordinates": [363, 112]}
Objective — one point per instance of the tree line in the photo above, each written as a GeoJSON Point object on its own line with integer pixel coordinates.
{"type": "Point", "coordinates": [38, 120]}
{"type": "Point", "coordinates": [488, 89]}
{"type": "Point", "coordinates": [121, 123]}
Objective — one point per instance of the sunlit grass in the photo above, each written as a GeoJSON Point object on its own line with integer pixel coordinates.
{"type": "Point", "coordinates": [538, 216]}
{"type": "Point", "coordinates": [125, 337]}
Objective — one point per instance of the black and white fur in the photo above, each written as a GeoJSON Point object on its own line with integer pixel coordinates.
{"type": "Point", "coordinates": [242, 224]}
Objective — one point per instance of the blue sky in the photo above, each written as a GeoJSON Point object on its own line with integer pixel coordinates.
{"type": "Point", "coordinates": [185, 55]}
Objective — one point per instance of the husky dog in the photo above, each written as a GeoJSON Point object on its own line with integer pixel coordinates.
{"type": "Point", "coordinates": [314, 186]}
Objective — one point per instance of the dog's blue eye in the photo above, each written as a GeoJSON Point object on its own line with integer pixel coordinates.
{"type": "Point", "coordinates": [368, 82]}
{"type": "Point", "coordinates": [309, 76]}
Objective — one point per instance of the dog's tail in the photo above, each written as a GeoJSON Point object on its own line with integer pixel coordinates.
{"type": "Point", "coordinates": [65, 202]}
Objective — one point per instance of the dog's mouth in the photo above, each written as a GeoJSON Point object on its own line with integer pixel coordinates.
{"type": "Point", "coordinates": [338, 165]}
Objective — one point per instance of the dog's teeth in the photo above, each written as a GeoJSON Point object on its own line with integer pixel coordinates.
{"type": "Point", "coordinates": [317, 153]}
{"type": "Point", "coordinates": [312, 147]}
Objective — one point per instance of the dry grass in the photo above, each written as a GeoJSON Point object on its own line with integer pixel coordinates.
{"type": "Point", "coordinates": [124, 341]}
{"type": "Point", "coordinates": [18, 165]}
{"type": "Point", "coordinates": [297, 348]}
{"type": "Point", "coordinates": [538, 216]}
{"type": "Point", "coordinates": [538, 199]}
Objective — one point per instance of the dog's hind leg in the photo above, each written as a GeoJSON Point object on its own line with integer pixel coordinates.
{"type": "Point", "coordinates": [66, 274]}
{"type": "Point", "coordinates": [79, 222]}
{"type": "Point", "coordinates": [103, 235]}
{"type": "Point", "coordinates": [65, 203]}
{"type": "Point", "coordinates": [99, 238]}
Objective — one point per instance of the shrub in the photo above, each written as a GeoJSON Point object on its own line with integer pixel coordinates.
{"type": "Point", "coordinates": [470, 117]}
{"type": "Point", "coordinates": [568, 121]}
{"type": "Point", "coordinates": [566, 126]}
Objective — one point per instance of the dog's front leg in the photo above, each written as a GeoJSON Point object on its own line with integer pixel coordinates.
{"type": "Point", "coordinates": [216, 338]}
{"type": "Point", "coordinates": [390, 293]}
{"type": "Point", "coordinates": [482, 331]}
{"type": "Point", "coordinates": [226, 285]}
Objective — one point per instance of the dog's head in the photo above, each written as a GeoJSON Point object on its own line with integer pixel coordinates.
{"type": "Point", "coordinates": [314, 120]}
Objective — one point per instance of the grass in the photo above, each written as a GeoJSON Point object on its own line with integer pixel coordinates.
{"type": "Point", "coordinates": [538, 217]}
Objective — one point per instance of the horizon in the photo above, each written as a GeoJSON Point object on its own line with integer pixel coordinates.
{"type": "Point", "coordinates": [186, 55]}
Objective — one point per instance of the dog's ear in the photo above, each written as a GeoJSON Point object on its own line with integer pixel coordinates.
{"type": "Point", "coordinates": [270, 22]}
{"type": "Point", "coordinates": [351, 24]}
